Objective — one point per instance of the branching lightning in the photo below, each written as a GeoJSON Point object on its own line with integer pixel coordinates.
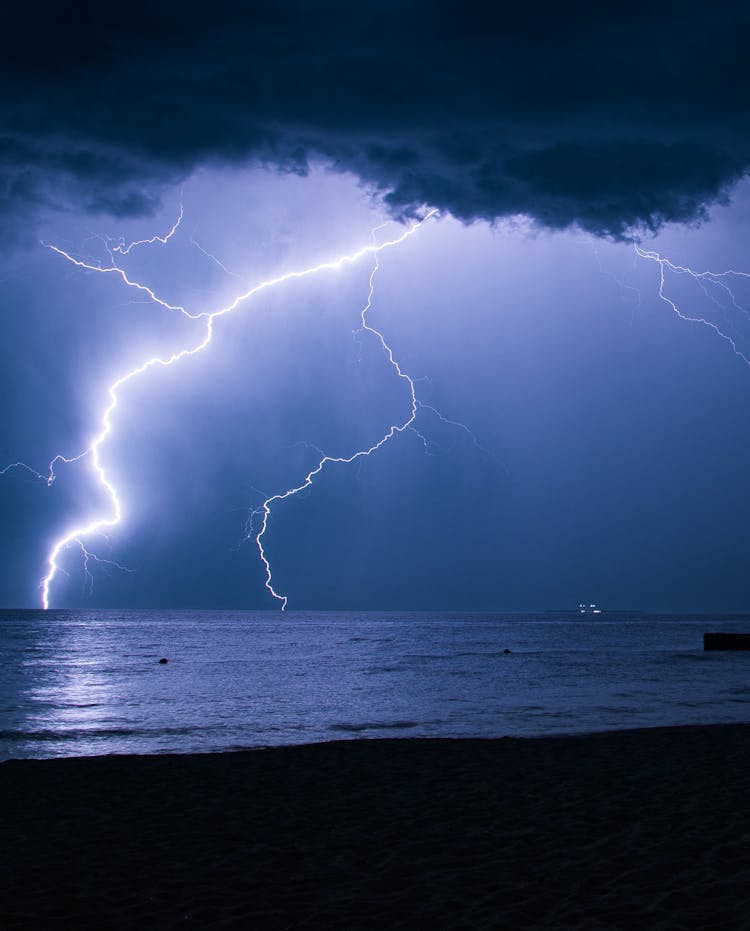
{"type": "Point", "coordinates": [100, 524]}
{"type": "Point", "coordinates": [258, 521]}
{"type": "Point", "coordinates": [263, 512]}
{"type": "Point", "coordinates": [718, 279]}
{"type": "Point", "coordinates": [124, 250]}
{"type": "Point", "coordinates": [265, 508]}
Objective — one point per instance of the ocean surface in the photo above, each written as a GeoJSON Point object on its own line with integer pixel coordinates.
{"type": "Point", "coordinates": [89, 682]}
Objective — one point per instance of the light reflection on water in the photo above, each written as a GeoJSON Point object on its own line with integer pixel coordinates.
{"type": "Point", "coordinates": [74, 683]}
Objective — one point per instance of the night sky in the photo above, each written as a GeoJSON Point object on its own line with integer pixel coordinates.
{"type": "Point", "coordinates": [593, 444]}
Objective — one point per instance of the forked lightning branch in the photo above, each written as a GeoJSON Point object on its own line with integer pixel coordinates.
{"type": "Point", "coordinates": [79, 533]}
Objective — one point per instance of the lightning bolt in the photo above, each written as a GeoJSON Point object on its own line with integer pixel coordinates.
{"type": "Point", "coordinates": [718, 279]}
{"type": "Point", "coordinates": [265, 508]}
{"type": "Point", "coordinates": [407, 423]}
{"type": "Point", "coordinates": [212, 257]}
{"type": "Point", "coordinates": [206, 319]}
{"type": "Point", "coordinates": [124, 250]}
{"type": "Point", "coordinates": [257, 524]}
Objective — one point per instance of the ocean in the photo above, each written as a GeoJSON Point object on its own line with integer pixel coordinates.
{"type": "Point", "coordinates": [78, 683]}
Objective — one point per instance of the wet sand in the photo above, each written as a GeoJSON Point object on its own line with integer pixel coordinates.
{"type": "Point", "coordinates": [633, 829]}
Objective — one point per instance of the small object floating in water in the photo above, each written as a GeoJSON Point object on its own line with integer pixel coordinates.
{"type": "Point", "coordinates": [506, 650]}
{"type": "Point", "coordinates": [719, 641]}
{"type": "Point", "coordinates": [163, 661]}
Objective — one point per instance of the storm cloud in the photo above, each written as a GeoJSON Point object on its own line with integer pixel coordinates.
{"type": "Point", "coordinates": [571, 114]}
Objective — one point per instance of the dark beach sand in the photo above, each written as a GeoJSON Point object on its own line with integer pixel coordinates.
{"type": "Point", "coordinates": [634, 829]}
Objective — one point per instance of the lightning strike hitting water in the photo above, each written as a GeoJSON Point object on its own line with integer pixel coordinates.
{"type": "Point", "coordinates": [258, 521]}
{"type": "Point", "coordinates": [265, 509]}
{"type": "Point", "coordinates": [206, 318]}
{"type": "Point", "coordinates": [702, 278]}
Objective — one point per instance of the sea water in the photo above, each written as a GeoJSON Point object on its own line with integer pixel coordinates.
{"type": "Point", "coordinates": [90, 682]}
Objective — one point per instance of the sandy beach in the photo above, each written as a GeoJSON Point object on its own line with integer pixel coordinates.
{"type": "Point", "coordinates": [631, 829]}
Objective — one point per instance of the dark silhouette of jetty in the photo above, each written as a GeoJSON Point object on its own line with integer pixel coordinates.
{"type": "Point", "coordinates": [720, 641]}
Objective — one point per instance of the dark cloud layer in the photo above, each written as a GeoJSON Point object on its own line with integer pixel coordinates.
{"type": "Point", "coordinates": [608, 117]}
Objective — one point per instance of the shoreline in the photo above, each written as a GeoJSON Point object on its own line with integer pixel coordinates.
{"type": "Point", "coordinates": [377, 737]}
{"type": "Point", "coordinates": [614, 829]}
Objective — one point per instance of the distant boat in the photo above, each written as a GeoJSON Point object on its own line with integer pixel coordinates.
{"type": "Point", "coordinates": [582, 608]}
{"type": "Point", "coordinates": [588, 609]}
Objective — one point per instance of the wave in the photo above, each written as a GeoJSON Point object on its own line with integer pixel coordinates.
{"type": "Point", "coordinates": [374, 726]}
